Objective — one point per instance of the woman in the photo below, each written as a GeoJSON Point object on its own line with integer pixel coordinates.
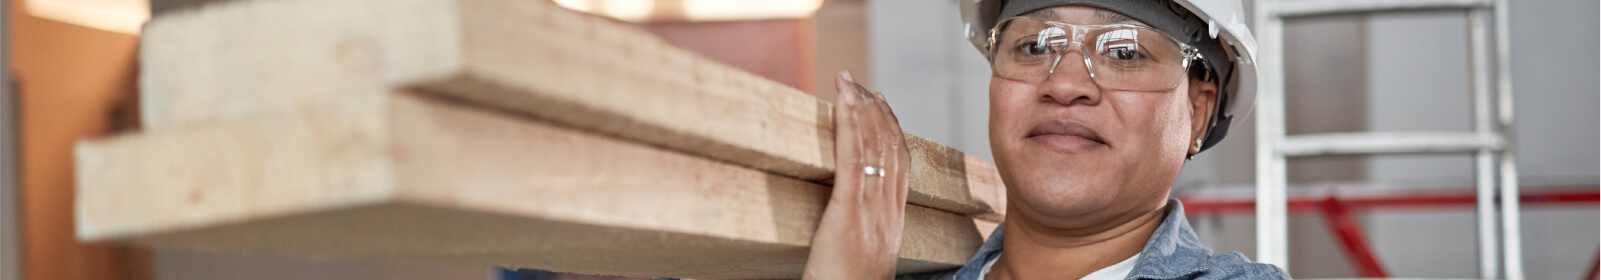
{"type": "Point", "coordinates": [1094, 107]}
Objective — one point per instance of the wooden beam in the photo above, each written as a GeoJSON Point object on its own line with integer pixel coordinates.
{"type": "Point", "coordinates": [409, 177]}
{"type": "Point", "coordinates": [240, 58]}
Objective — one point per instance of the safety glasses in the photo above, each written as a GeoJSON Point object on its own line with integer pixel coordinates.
{"type": "Point", "coordinates": [1117, 56]}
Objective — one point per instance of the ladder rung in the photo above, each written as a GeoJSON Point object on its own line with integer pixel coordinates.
{"type": "Point", "coordinates": [1388, 143]}
{"type": "Point", "coordinates": [1308, 8]}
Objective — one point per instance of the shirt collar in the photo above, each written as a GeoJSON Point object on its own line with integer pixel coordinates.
{"type": "Point", "coordinates": [1173, 250]}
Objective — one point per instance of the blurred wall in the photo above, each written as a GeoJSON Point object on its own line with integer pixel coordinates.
{"type": "Point", "coordinates": [841, 28]}
{"type": "Point", "coordinates": [8, 155]}
{"type": "Point", "coordinates": [936, 82]}
{"type": "Point", "coordinates": [779, 49]}
{"type": "Point", "coordinates": [1421, 82]}
{"type": "Point", "coordinates": [71, 78]}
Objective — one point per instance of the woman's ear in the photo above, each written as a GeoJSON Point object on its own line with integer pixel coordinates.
{"type": "Point", "coordinates": [1203, 95]}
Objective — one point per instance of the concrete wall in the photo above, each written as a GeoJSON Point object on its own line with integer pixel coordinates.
{"type": "Point", "coordinates": [1354, 73]}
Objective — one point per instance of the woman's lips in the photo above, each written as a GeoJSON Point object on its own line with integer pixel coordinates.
{"type": "Point", "coordinates": [1065, 135]}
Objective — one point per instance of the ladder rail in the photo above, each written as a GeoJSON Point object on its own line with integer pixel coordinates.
{"type": "Point", "coordinates": [1490, 135]}
{"type": "Point", "coordinates": [1512, 237]}
{"type": "Point", "coordinates": [1484, 159]}
{"type": "Point", "coordinates": [1271, 215]}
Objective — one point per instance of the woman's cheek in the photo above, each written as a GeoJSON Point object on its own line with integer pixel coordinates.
{"type": "Point", "coordinates": [1170, 127]}
{"type": "Point", "coordinates": [1006, 101]}
{"type": "Point", "coordinates": [1154, 123]}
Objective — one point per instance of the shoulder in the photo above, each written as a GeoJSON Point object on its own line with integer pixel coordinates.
{"type": "Point", "coordinates": [1175, 252]}
{"type": "Point", "coordinates": [1233, 265]}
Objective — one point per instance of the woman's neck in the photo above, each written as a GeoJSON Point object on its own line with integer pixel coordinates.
{"type": "Point", "coordinates": [1036, 250]}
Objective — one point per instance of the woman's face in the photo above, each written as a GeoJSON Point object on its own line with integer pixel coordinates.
{"type": "Point", "coordinates": [1074, 154]}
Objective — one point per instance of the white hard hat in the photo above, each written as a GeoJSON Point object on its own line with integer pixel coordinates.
{"type": "Point", "coordinates": [1199, 22]}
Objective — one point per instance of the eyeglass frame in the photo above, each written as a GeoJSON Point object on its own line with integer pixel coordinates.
{"type": "Point", "coordinates": [1187, 51]}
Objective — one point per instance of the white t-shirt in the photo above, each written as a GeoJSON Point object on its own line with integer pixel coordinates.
{"type": "Point", "coordinates": [1116, 271]}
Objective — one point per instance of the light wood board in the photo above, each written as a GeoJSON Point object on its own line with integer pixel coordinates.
{"type": "Point", "coordinates": [411, 177]}
{"type": "Point", "coordinates": [242, 58]}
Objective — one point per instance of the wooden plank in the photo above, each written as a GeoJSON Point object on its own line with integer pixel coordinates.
{"type": "Point", "coordinates": [947, 179]}
{"type": "Point", "coordinates": [236, 59]}
{"type": "Point", "coordinates": [407, 177]}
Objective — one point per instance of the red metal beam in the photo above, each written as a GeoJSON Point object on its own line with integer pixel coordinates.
{"type": "Point", "coordinates": [1398, 199]}
{"type": "Point", "coordinates": [1336, 210]}
{"type": "Point", "coordinates": [1595, 266]}
{"type": "Point", "coordinates": [1351, 238]}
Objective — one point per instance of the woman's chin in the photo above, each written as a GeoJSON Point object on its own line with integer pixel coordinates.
{"type": "Point", "coordinates": [1069, 200]}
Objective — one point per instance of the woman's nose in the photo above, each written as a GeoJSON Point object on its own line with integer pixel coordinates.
{"type": "Point", "coordinates": [1071, 79]}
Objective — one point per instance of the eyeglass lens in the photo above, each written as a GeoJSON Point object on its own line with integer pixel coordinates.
{"type": "Point", "coordinates": [1121, 57]}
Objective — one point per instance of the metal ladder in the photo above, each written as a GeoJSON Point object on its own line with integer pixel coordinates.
{"type": "Point", "coordinates": [1489, 141]}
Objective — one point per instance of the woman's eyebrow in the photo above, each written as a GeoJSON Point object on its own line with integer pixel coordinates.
{"type": "Point", "coordinates": [1042, 13]}
{"type": "Point", "coordinates": [1101, 14]}
{"type": "Point", "coordinates": [1111, 16]}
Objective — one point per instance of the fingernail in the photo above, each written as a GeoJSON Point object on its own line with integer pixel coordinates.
{"type": "Point", "coordinates": [847, 75]}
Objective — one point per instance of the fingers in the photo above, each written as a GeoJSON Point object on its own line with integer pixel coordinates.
{"type": "Point", "coordinates": [847, 135]}
{"type": "Point", "coordinates": [861, 229]}
{"type": "Point", "coordinates": [892, 141]}
{"type": "Point", "coordinates": [893, 155]}
{"type": "Point", "coordinates": [902, 159]}
{"type": "Point", "coordinates": [867, 133]}
{"type": "Point", "coordinates": [873, 152]}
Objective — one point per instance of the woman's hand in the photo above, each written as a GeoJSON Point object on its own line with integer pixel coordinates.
{"type": "Point", "coordinates": [860, 234]}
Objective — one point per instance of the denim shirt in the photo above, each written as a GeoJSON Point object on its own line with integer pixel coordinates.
{"type": "Point", "coordinates": [1173, 252]}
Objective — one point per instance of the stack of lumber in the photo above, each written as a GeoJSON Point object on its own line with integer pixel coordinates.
{"type": "Point", "coordinates": [496, 132]}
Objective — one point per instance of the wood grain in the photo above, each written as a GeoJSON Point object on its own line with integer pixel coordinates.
{"type": "Point", "coordinates": [411, 177]}
{"type": "Point", "coordinates": [241, 58]}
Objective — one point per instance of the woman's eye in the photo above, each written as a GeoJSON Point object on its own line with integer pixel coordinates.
{"type": "Point", "coordinates": [1033, 48]}
{"type": "Point", "coordinates": [1123, 53]}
